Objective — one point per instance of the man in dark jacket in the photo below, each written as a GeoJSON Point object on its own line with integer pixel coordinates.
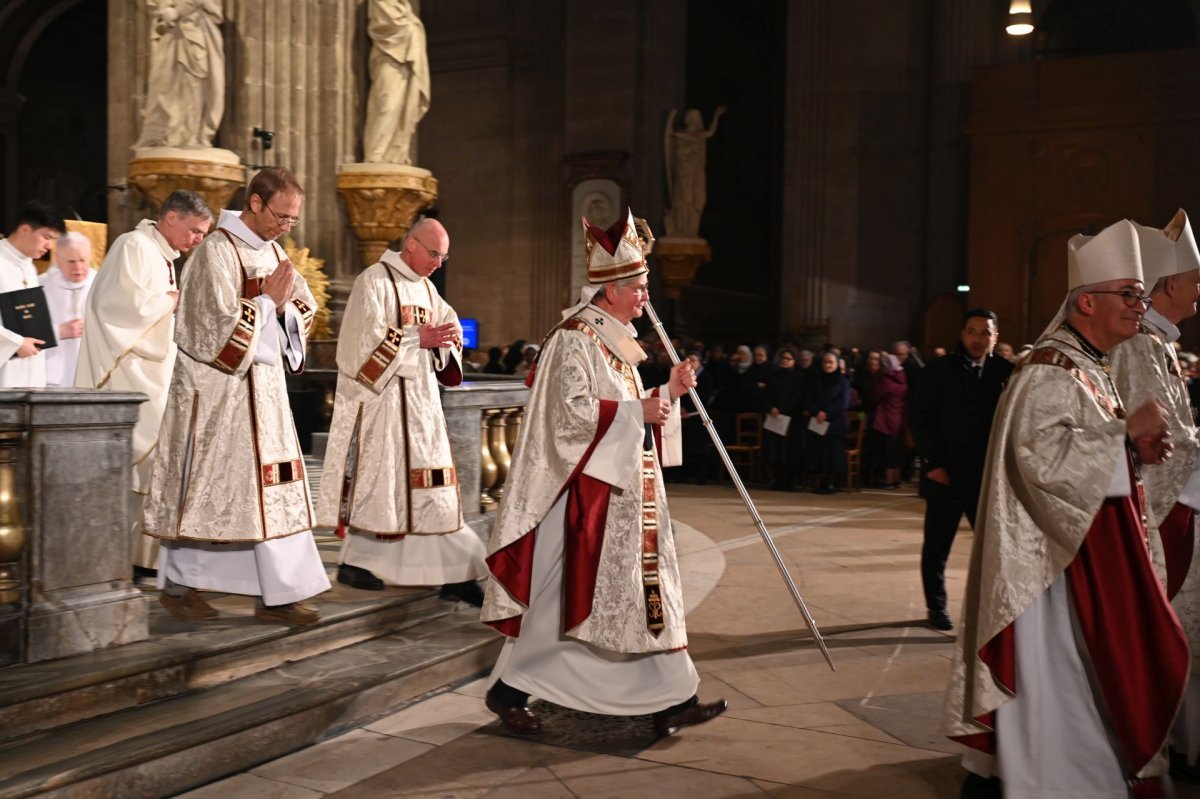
{"type": "Point", "coordinates": [953, 402]}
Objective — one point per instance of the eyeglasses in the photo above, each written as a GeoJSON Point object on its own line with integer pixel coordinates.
{"type": "Point", "coordinates": [1131, 298]}
{"type": "Point", "coordinates": [285, 221]}
{"type": "Point", "coordinates": [638, 289]}
{"type": "Point", "coordinates": [441, 256]}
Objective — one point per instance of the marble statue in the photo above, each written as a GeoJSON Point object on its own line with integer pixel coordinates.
{"type": "Point", "coordinates": [399, 94]}
{"type": "Point", "coordinates": [685, 159]}
{"type": "Point", "coordinates": [185, 93]}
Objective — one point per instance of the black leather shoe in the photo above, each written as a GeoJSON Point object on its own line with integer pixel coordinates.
{"type": "Point", "coordinates": [520, 720]}
{"type": "Point", "coordinates": [976, 787]}
{"type": "Point", "coordinates": [940, 620]}
{"type": "Point", "coordinates": [358, 578]}
{"type": "Point", "coordinates": [468, 592]}
{"type": "Point", "coordinates": [688, 717]}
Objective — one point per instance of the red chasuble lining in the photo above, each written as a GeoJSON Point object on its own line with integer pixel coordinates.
{"type": "Point", "coordinates": [1178, 538]}
{"type": "Point", "coordinates": [1136, 646]}
{"type": "Point", "coordinates": [512, 566]}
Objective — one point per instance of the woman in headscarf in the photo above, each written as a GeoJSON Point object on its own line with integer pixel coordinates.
{"type": "Point", "coordinates": [785, 390]}
{"type": "Point", "coordinates": [888, 394]}
{"type": "Point", "coordinates": [828, 397]}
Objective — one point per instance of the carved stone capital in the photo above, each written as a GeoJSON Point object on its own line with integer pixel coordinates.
{"type": "Point", "coordinates": [214, 174]}
{"type": "Point", "coordinates": [678, 258]}
{"type": "Point", "coordinates": [382, 201]}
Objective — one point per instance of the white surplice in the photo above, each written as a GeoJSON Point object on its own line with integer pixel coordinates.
{"type": "Point", "coordinates": [17, 272]}
{"type": "Point", "coordinates": [66, 301]}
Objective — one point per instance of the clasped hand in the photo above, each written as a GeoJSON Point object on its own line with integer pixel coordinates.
{"type": "Point", "coordinates": [436, 336]}
{"type": "Point", "coordinates": [1147, 429]}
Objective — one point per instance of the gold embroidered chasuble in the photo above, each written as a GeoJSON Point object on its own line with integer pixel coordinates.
{"type": "Point", "coordinates": [579, 366]}
{"type": "Point", "coordinates": [1145, 367]}
{"type": "Point", "coordinates": [388, 466]}
{"type": "Point", "coordinates": [229, 466]}
{"type": "Point", "coordinates": [129, 333]}
{"type": "Point", "coordinates": [1055, 444]}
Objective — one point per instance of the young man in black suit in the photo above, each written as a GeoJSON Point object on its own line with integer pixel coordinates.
{"type": "Point", "coordinates": [952, 407]}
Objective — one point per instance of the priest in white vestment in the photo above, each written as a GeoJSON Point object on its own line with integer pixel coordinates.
{"type": "Point", "coordinates": [390, 485]}
{"type": "Point", "coordinates": [584, 572]}
{"type": "Point", "coordinates": [1146, 367]}
{"type": "Point", "coordinates": [1072, 663]}
{"type": "Point", "coordinates": [34, 231]}
{"type": "Point", "coordinates": [66, 284]}
{"type": "Point", "coordinates": [228, 496]}
{"type": "Point", "coordinates": [129, 333]}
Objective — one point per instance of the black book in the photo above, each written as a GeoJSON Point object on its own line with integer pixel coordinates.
{"type": "Point", "coordinates": [26, 313]}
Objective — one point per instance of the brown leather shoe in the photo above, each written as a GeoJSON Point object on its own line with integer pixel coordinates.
{"type": "Point", "coordinates": [189, 607]}
{"type": "Point", "coordinates": [689, 717]}
{"type": "Point", "coordinates": [520, 720]}
{"type": "Point", "coordinates": [299, 614]}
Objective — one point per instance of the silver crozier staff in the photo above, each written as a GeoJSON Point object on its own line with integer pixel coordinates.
{"type": "Point", "coordinates": [647, 246]}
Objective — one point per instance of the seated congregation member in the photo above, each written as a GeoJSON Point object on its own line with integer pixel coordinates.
{"type": "Point", "coordinates": [587, 511]}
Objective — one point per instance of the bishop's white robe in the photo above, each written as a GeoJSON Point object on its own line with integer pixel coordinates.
{"type": "Point", "coordinates": [18, 272]}
{"type": "Point", "coordinates": [1145, 367]}
{"type": "Point", "coordinates": [66, 301]}
{"type": "Point", "coordinates": [228, 494]}
{"type": "Point", "coordinates": [584, 573]}
{"type": "Point", "coordinates": [1064, 615]}
{"type": "Point", "coordinates": [128, 344]}
{"type": "Point", "coordinates": [390, 484]}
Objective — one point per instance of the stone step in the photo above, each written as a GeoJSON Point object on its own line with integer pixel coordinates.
{"type": "Point", "coordinates": [163, 747]}
{"type": "Point", "coordinates": [181, 657]}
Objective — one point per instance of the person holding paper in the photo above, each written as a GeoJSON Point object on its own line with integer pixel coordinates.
{"type": "Point", "coordinates": [953, 402]}
{"type": "Point", "coordinates": [826, 401]}
{"type": "Point", "coordinates": [390, 486]}
{"type": "Point", "coordinates": [584, 573]}
{"type": "Point", "coordinates": [1145, 368]}
{"type": "Point", "coordinates": [228, 495]}
{"type": "Point", "coordinates": [1071, 663]}
{"type": "Point", "coordinates": [783, 429]}
{"type": "Point", "coordinates": [37, 226]}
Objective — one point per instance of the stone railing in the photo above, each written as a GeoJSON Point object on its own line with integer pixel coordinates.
{"type": "Point", "coordinates": [65, 576]}
{"type": "Point", "coordinates": [484, 418]}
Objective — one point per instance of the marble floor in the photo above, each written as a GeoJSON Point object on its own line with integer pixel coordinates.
{"type": "Point", "coordinates": [794, 729]}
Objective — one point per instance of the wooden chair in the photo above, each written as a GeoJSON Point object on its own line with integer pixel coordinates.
{"type": "Point", "coordinates": [854, 448]}
{"type": "Point", "coordinates": [746, 451]}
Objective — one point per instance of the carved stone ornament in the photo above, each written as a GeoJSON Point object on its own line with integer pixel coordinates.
{"type": "Point", "coordinates": [214, 174]}
{"type": "Point", "coordinates": [677, 259]}
{"type": "Point", "coordinates": [382, 201]}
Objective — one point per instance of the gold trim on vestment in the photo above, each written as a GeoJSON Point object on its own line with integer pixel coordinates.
{"type": "Point", "coordinates": [435, 477]}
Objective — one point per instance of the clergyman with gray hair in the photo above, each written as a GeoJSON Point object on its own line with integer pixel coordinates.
{"type": "Point", "coordinates": [67, 283]}
{"type": "Point", "coordinates": [128, 339]}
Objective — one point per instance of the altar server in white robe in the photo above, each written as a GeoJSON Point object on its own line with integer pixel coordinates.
{"type": "Point", "coordinates": [67, 283]}
{"type": "Point", "coordinates": [390, 485]}
{"type": "Point", "coordinates": [1071, 663]}
{"type": "Point", "coordinates": [34, 231]}
{"type": "Point", "coordinates": [1146, 367]}
{"type": "Point", "coordinates": [228, 496]}
{"type": "Point", "coordinates": [584, 572]}
{"type": "Point", "coordinates": [129, 333]}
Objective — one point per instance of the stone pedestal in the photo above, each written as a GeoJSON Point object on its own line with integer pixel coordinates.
{"type": "Point", "coordinates": [72, 486]}
{"type": "Point", "coordinates": [678, 258]}
{"type": "Point", "coordinates": [382, 201]}
{"type": "Point", "coordinates": [214, 174]}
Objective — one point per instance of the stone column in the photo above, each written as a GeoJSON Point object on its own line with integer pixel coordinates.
{"type": "Point", "coordinates": [293, 68]}
{"type": "Point", "coordinates": [72, 486]}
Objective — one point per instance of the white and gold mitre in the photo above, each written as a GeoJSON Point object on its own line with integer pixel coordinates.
{"type": "Point", "coordinates": [1170, 251]}
{"type": "Point", "coordinates": [614, 253]}
{"type": "Point", "coordinates": [1112, 254]}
